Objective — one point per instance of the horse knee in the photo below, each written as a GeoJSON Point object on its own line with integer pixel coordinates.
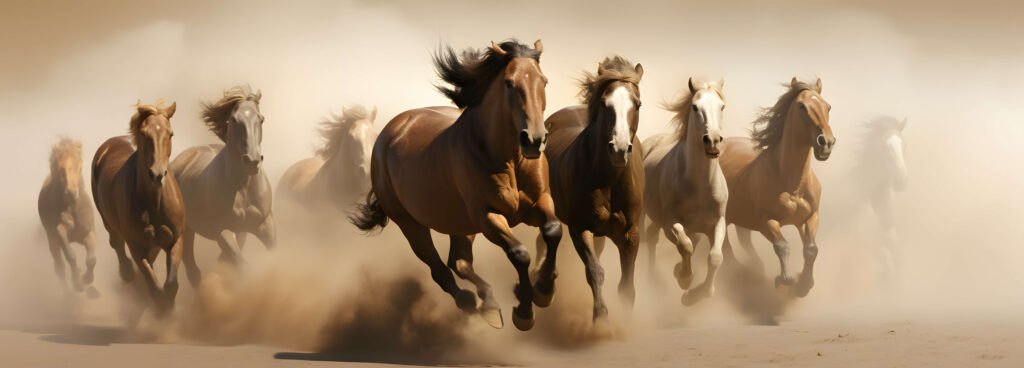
{"type": "Point", "coordinates": [781, 248]}
{"type": "Point", "coordinates": [715, 258]}
{"type": "Point", "coordinates": [552, 231]}
{"type": "Point", "coordinates": [810, 252]}
{"type": "Point", "coordinates": [519, 256]}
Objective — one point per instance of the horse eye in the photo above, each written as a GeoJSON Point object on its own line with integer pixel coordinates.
{"type": "Point", "coordinates": [803, 107]}
{"type": "Point", "coordinates": [508, 84]}
{"type": "Point", "coordinates": [694, 107]}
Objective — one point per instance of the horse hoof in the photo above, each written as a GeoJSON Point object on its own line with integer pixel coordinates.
{"type": "Point", "coordinates": [523, 324]}
{"type": "Point", "coordinates": [691, 297]}
{"type": "Point", "coordinates": [803, 287]}
{"type": "Point", "coordinates": [92, 293]}
{"type": "Point", "coordinates": [542, 298]}
{"type": "Point", "coordinates": [493, 317]}
{"type": "Point", "coordinates": [465, 300]}
{"type": "Point", "coordinates": [87, 278]}
{"type": "Point", "coordinates": [781, 280]}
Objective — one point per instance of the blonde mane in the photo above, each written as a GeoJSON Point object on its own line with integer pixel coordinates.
{"type": "Point", "coordinates": [144, 111]}
{"type": "Point", "coordinates": [681, 107]}
{"type": "Point", "coordinates": [334, 129]}
{"type": "Point", "coordinates": [216, 114]}
{"type": "Point", "coordinates": [768, 127]}
{"type": "Point", "coordinates": [65, 148]}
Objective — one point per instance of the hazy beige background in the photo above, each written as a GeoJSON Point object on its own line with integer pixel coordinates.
{"type": "Point", "coordinates": [955, 70]}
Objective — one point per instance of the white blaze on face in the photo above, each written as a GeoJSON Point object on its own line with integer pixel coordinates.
{"type": "Point", "coordinates": [709, 111]}
{"type": "Point", "coordinates": [621, 102]}
{"type": "Point", "coordinates": [895, 145]}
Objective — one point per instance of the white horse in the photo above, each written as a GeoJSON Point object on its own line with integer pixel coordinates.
{"type": "Point", "coordinates": [880, 174]}
{"type": "Point", "coordinates": [686, 192]}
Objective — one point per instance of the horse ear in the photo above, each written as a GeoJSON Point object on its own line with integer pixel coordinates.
{"type": "Point", "coordinates": [692, 88]}
{"type": "Point", "coordinates": [639, 70]}
{"type": "Point", "coordinates": [169, 111]}
{"type": "Point", "coordinates": [498, 50]}
{"type": "Point", "coordinates": [817, 85]}
{"type": "Point", "coordinates": [259, 95]}
{"type": "Point", "coordinates": [600, 69]}
{"type": "Point", "coordinates": [373, 115]}
{"type": "Point", "coordinates": [793, 82]}
{"type": "Point", "coordinates": [538, 46]}
{"type": "Point", "coordinates": [902, 124]}
{"type": "Point", "coordinates": [721, 83]}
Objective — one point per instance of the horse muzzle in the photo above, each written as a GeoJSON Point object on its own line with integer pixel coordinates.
{"type": "Point", "coordinates": [251, 165]}
{"type": "Point", "coordinates": [619, 158]}
{"type": "Point", "coordinates": [823, 147]}
{"type": "Point", "coordinates": [530, 146]}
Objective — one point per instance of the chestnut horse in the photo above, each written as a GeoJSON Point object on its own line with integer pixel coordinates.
{"type": "Point", "coordinates": [139, 200]}
{"type": "Point", "coordinates": [462, 172]}
{"type": "Point", "coordinates": [65, 210]}
{"type": "Point", "coordinates": [596, 181]}
{"type": "Point", "coordinates": [770, 180]}
{"type": "Point", "coordinates": [226, 192]}
{"type": "Point", "coordinates": [340, 174]}
{"type": "Point", "coordinates": [686, 192]}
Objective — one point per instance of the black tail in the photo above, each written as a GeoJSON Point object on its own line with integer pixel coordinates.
{"type": "Point", "coordinates": [369, 215]}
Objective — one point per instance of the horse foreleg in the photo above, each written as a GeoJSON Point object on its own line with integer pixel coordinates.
{"type": "Point", "coordinates": [496, 229]}
{"type": "Point", "coordinates": [628, 244]}
{"type": "Point", "coordinates": [58, 259]}
{"type": "Point", "coordinates": [743, 236]}
{"type": "Point", "coordinates": [240, 238]}
{"type": "Point", "coordinates": [188, 241]}
{"type": "Point", "coordinates": [228, 247]}
{"type": "Point", "coordinates": [171, 281]}
{"type": "Point", "coordinates": [543, 216]}
{"type": "Point", "coordinates": [707, 288]}
{"type": "Point", "coordinates": [267, 233]}
{"type": "Point", "coordinates": [651, 236]}
{"type": "Point", "coordinates": [807, 235]}
{"type": "Point", "coordinates": [144, 263]}
{"type": "Point", "coordinates": [599, 242]}
{"type": "Point", "coordinates": [69, 257]}
{"type": "Point", "coordinates": [460, 260]}
{"type": "Point", "coordinates": [774, 235]}
{"type": "Point", "coordinates": [124, 264]}
{"type": "Point", "coordinates": [419, 239]}
{"type": "Point", "coordinates": [89, 241]}
{"type": "Point", "coordinates": [684, 269]}
{"type": "Point", "coordinates": [583, 241]}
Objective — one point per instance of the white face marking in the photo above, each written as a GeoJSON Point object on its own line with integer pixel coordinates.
{"type": "Point", "coordinates": [709, 105]}
{"type": "Point", "coordinates": [895, 145]}
{"type": "Point", "coordinates": [621, 102]}
{"type": "Point", "coordinates": [248, 113]}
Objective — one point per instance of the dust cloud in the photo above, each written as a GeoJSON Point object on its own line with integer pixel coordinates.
{"type": "Point", "coordinates": [953, 70]}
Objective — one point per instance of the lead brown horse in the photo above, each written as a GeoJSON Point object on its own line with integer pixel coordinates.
{"type": "Point", "coordinates": [596, 181]}
{"type": "Point", "coordinates": [770, 180]}
{"type": "Point", "coordinates": [65, 210]}
{"type": "Point", "coordinates": [465, 171]}
{"type": "Point", "coordinates": [139, 201]}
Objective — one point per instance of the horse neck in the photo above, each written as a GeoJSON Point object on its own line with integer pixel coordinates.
{"type": "Point", "coordinates": [147, 193]}
{"type": "Point", "coordinates": [793, 155]}
{"type": "Point", "coordinates": [231, 168]}
{"type": "Point", "coordinates": [699, 167]}
{"type": "Point", "coordinates": [593, 145]}
{"type": "Point", "coordinates": [491, 122]}
{"type": "Point", "coordinates": [339, 171]}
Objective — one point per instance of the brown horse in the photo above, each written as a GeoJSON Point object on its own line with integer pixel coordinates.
{"type": "Point", "coordinates": [65, 210]}
{"type": "Point", "coordinates": [139, 201]}
{"type": "Point", "coordinates": [770, 180]}
{"type": "Point", "coordinates": [462, 172]}
{"type": "Point", "coordinates": [596, 181]}
{"type": "Point", "coordinates": [340, 174]}
{"type": "Point", "coordinates": [226, 192]}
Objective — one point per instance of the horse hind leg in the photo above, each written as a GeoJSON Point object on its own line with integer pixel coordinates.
{"type": "Point", "coordinates": [744, 238]}
{"type": "Point", "coordinates": [419, 239]}
{"type": "Point", "coordinates": [188, 240]}
{"type": "Point", "coordinates": [651, 237]}
{"type": "Point", "coordinates": [460, 260]}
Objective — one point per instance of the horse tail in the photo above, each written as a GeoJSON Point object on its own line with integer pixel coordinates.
{"type": "Point", "coordinates": [369, 215]}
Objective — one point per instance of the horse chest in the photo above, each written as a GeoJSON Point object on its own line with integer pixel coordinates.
{"type": "Point", "coordinates": [156, 231]}
{"type": "Point", "coordinates": [795, 208]}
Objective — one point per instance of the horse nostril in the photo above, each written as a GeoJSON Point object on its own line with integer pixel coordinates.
{"type": "Point", "coordinates": [719, 139]}
{"type": "Point", "coordinates": [822, 141]}
{"type": "Point", "coordinates": [261, 158]}
{"type": "Point", "coordinates": [629, 149]}
{"type": "Point", "coordinates": [706, 138]}
{"type": "Point", "coordinates": [524, 138]}
{"type": "Point", "coordinates": [545, 138]}
{"type": "Point", "coordinates": [611, 147]}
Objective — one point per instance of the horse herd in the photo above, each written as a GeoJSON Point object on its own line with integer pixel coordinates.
{"type": "Point", "coordinates": [489, 163]}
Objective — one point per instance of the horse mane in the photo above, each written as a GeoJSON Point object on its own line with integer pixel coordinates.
{"type": "Point", "coordinates": [333, 130]}
{"type": "Point", "coordinates": [471, 74]}
{"type": "Point", "coordinates": [216, 114]}
{"type": "Point", "coordinates": [767, 128]}
{"type": "Point", "coordinates": [64, 148]}
{"type": "Point", "coordinates": [592, 85]}
{"type": "Point", "coordinates": [144, 111]}
{"type": "Point", "coordinates": [681, 107]}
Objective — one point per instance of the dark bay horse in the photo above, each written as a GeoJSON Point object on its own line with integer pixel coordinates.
{"type": "Point", "coordinates": [139, 201]}
{"type": "Point", "coordinates": [770, 180]}
{"type": "Point", "coordinates": [463, 172]}
{"type": "Point", "coordinates": [596, 180]}
{"type": "Point", "coordinates": [65, 210]}
{"type": "Point", "coordinates": [226, 192]}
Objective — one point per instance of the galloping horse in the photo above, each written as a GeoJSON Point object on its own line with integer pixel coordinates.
{"type": "Point", "coordinates": [139, 201]}
{"type": "Point", "coordinates": [65, 210]}
{"type": "Point", "coordinates": [227, 193]}
{"type": "Point", "coordinates": [686, 192]}
{"type": "Point", "coordinates": [881, 173]}
{"type": "Point", "coordinates": [463, 172]}
{"type": "Point", "coordinates": [770, 180]}
{"type": "Point", "coordinates": [340, 174]}
{"type": "Point", "coordinates": [596, 181]}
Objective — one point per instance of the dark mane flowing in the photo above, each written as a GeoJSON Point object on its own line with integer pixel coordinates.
{"type": "Point", "coordinates": [592, 85]}
{"type": "Point", "coordinates": [216, 114]}
{"type": "Point", "coordinates": [767, 128]}
{"type": "Point", "coordinates": [470, 74]}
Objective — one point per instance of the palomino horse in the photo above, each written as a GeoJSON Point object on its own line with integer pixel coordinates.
{"type": "Point", "coordinates": [686, 192]}
{"type": "Point", "coordinates": [65, 210]}
{"type": "Point", "coordinates": [881, 173]}
{"type": "Point", "coordinates": [463, 172]}
{"type": "Point", "coordinates": [340, 174]}
{"type": "Point", "coordinates": [770, 180]}
{"type": "Point", "coordinates": [227, 193]}
{"type": "Point", "coordinates": [596, 182]}
{"type": "Point", "coordinates": [139, 201]}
